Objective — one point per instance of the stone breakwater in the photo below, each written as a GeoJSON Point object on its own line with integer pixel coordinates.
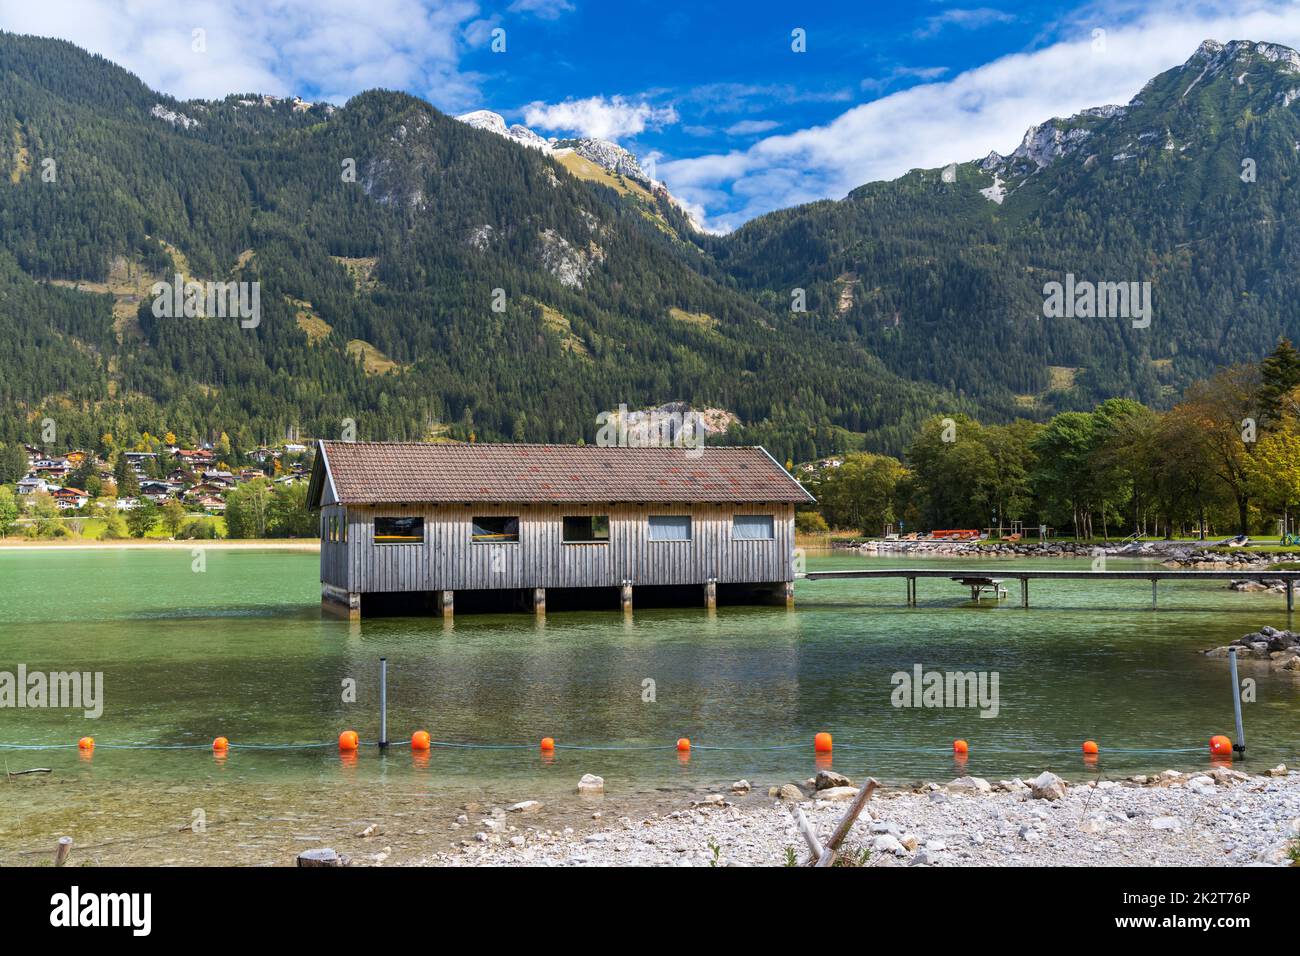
{"type": "Point", "coordinates": [1280, 648]}
{"type": "Point", "coordinates": [1217, 818]}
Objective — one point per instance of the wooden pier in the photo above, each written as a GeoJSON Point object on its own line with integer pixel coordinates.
{"type": "Point", "coordinates": [978, 579]}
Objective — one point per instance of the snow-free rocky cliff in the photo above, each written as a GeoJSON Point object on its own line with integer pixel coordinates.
{"type": "Point", "coordinates": [1118, 134]}
{"type": "Point", "coordinates": [605, 154]}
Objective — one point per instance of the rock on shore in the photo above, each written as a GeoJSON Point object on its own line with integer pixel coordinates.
{"type": "Point", "coordinates": [1280, 648]}
{"type": "Point", "coordinates": [1222, 817]}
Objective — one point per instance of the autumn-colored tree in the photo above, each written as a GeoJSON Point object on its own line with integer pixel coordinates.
{"type": "Point", "coordinates": [1225, 411]}
{"type": "Point", "coordinates": [1274, 469]}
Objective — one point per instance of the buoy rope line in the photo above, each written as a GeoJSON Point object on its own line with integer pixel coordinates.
{"type": "Point", "coordinates": [633, 748]}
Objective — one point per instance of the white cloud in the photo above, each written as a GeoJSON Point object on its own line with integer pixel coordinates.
{"type": "Point", "coordinates": [965, 19]}
{"type": "Point", "coordinates": [750, 127]}
{"type": "Point", "coordinates": [982, 109]}
{"type": "Point", "coordinates": [603, 117]}
{"type": "Point", "coordinates": [335, 47]}
{"type": "Point", "coordinates": [545, 9]}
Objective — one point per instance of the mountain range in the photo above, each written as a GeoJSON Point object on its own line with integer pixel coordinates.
{"type": "Point", "coordinates": [425, 276]}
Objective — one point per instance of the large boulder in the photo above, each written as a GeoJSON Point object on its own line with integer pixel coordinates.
{"type": "Point", "coordinates": [826, 779]}
{"type": "Point", "coordinates": [1047, 786]}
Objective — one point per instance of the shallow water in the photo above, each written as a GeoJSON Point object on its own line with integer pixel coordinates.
{"type": "Point", "coordinates": [242, 650]}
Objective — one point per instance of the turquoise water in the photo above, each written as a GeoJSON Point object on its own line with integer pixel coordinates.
{"type": "Point", "coordinates": [242, 650]}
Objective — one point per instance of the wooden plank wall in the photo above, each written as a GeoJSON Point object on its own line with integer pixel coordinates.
{"type": "Point", "coordinates": [449, 560]}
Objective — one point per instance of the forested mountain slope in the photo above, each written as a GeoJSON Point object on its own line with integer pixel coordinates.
{"type": "Point", "coordinates": [1191, 186]}
{"type": "Point", "coordinates": [379, 232]}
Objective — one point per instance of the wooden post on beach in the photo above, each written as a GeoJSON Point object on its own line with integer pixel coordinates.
{"type": "Point", "coordinates": [62, 850]}
{"type": "Point", "coordinates": [827, 857]}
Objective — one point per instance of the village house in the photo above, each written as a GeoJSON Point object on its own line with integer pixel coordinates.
{"type": "Point", "coordinates": [67, 499]}
{"type": "Point", "coordinates": [33, 484]}
{"type": "Point", "coordinates": [138, 459]}
{"type": "Point", "coordinates": [196, 456]}
{"type": "Point", "coordinates": [435, 526]}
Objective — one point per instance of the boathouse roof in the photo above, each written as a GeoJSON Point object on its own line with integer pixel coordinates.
{"type": "Point", "coordinates": [413, 472]}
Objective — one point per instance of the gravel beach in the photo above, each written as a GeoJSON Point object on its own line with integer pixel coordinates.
{"type": "Point", "coordinates": [1218, 818]}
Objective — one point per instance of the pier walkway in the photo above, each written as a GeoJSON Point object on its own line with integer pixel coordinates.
{"type": "Point", "coordinates": [991, 578]}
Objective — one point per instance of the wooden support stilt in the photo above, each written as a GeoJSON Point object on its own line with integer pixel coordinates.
{"type": "Point", "coordinates": [447, 603]}
{"type": "Point", "coordinates": [711, 594]}
{"type": "Point", "coordinates": [1024, 592]}
{"type": "Point", "coordinates": [539, 600]}
{"type": "Point", "coordinates": [789, 594]}
{"type": "Point", "coordinates": [1154, 581]}
{"type": "Point", "coordinates": [625, 597]}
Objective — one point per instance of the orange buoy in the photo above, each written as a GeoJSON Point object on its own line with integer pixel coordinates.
{"type": "Point", "coordinates": [86, 743]}
{"type": "Point", "coordinates": [1220, 745]}
{"type": "Point", "coordinates": [822, 743]}
{"type": "Point", "coordinates": [548, 744]}
{"type": "Point", "coordinates": [960, 747]}
{"type": "Point", "coordinates": [221, 745]}
{"type": "Point", "coordinates": [683, 744]}
{"type": "Point", "coordinates": [348, 740]}
{"type": "Point", "coordinates": [420, 740]}
{"type": "Point", "coordinates": [1090, 747]}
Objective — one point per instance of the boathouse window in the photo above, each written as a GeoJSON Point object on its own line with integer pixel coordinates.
{"type": "Point", "coordinates": [399, 530]}
{"type": "Point", "coordinates": [495, 530]}
{"type": "Point", "coordinates": [586, 529]}
{"type": "Point", "coordinates": [670, 527]}
{"type": "Point", "coordinates": [752, 528]}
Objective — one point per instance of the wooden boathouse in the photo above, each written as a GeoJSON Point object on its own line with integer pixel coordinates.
{"type": "Point", "coordinates": [426, 526]}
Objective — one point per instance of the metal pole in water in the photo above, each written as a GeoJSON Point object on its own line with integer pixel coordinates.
{"type": "Point", "coordinates": [1236, 700]}
{"type": "Point", "coordinates": [383, 702]}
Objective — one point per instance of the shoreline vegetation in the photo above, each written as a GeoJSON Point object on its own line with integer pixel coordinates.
{"type": "Point", "coordinates": [160, 544]}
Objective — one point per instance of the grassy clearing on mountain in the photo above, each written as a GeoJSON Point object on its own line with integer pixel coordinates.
{"type": "Point", "coordinates": [361, 269]}
{"type": "Point", "coordinates": [558, 323]}
{"type": "Point", "coordinates": [129, 283]}
{"type": "Point", "coordinates": [22, 156]}
{"type": "Point", "coordinates": [317, 329]}
{"type": "Point", "coordinates": [373, 361]}
{"type": "Point", "coordinates": [699, 319]}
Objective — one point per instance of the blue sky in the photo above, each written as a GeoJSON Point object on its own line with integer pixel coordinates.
{"type": "Point", "coordinates": [709, 95]}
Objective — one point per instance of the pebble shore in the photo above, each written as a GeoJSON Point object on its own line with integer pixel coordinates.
{"type": "Point", "coordinates": [1218, 818]}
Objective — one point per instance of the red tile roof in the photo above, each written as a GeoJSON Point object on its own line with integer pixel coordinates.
{"type": "Point", "coordinates": [392, 472]}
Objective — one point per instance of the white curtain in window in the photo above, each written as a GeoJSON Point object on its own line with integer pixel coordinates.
{"type": "Point", "coordinates": [670, 527]}
{"type": "Point", "coordinates": [752, 528]}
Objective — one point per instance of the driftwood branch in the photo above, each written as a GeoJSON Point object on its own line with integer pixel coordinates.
{"type": "Point", "coordinates": [20, 773]}
{"type": "Point", "coordinates": [827, 856]}
{"type": "Point", "coordinates": [806, 829]}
